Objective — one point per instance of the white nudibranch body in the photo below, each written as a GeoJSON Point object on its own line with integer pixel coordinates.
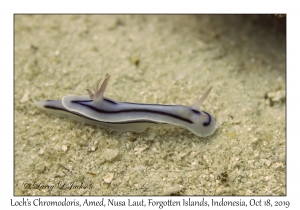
{"type": "Point", "coordinates": [98, 110]}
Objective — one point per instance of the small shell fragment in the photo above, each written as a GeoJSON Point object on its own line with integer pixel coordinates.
{"type": "Point", "coordinates": [25, 97]}
{"type": "Point", "coordinates": [111, 154]}
{"type": "Point", "coordinates": [64, 148]}
{"type": "Point", "coordinates": [108, 178]}
{"type": "Point", "coordinates": [173, 190]}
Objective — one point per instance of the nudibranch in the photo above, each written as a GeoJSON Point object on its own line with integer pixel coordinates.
{"type": "Point", "coordinates": [98, 110]}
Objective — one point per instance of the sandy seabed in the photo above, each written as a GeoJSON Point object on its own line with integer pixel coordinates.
{"type": "Point", "coordinates": [166, 59]}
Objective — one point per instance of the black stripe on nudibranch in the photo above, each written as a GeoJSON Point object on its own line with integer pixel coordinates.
{"type": "Point", "coordinates": [124, 122]}
{"type": "Point", "coordinates": [147, 104]}
{"type": "Point", "coordinates": [195, 111]}
{"type": "Point", "coordinates": [133, 110]}
{"type": "Point", "coordinates": [109, 101]}
{"type": "Point", "coordinates": [209, 119]}
{"type": "Point", "coordinates": [105, 99]}
{"type": "Point", "coordinates": [82, 101]}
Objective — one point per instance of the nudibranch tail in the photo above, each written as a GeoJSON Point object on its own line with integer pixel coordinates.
{"type": "Point", "coordinates": [201, 100]}
{"type": "Point", "coordinates": [97, 97]}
